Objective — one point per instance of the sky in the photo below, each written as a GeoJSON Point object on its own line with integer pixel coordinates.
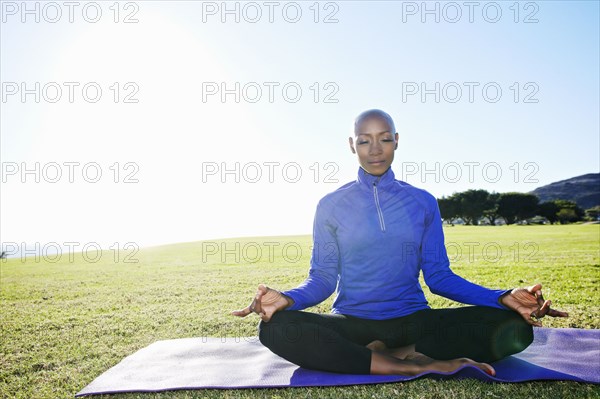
{"type": "Point", "coordinates": [152, 122]}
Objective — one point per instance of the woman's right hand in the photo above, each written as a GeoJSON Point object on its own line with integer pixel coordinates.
{"type": "Point", "coordinates": [266, 302]}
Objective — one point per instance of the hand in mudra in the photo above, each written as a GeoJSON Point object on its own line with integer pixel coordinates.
{"type": "Point", "coordinates": [530, 304]}
{"type": "Point", "coordinates": [266, 302]}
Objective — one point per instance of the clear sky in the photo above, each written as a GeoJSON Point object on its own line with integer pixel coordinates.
{"type": "Point", "coordinates": [496, 95]}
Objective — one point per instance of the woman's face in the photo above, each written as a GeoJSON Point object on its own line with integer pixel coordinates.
{"type": "Point", "coordinates": [375, 144]}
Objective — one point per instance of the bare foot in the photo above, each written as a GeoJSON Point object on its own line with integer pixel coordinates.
{"type": "Point", "coordinates": [405, 361]}
{"type": "Point", "coordinates": [447, 366]}
{"type": "Point", "coordinates": [377, 346]}
{"type": "Point", "coordinates": [399, 353]}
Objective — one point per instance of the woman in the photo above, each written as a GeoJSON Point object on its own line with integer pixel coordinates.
{"type": "Point", "coordinates": [372, 237]}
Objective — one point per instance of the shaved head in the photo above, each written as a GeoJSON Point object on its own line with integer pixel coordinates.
{"type": "Point", "coordinates": [376, 141]}
{"type": "Point", "coordinates": [370, 115]}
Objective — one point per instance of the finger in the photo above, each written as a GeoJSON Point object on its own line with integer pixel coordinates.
{"type": "Point", "coordinates": [534, 288]}
{"type": "Point", "coordinates": [534, 323]}
{"type": "Point", "coordinates": [264, 317]}
{"type": "Point", "coordinates": [541, 312]}
{"type": "Point", "coordinates": [257, 303]}
{"type": "Point", "coordinates": [258, 297]}
{"type": "Point", "coordinates": [540, 299]}
{"type": "Point", "coordinates": [242, 313]}
{"type": "Point", "coordinates": [262, 291]}
{"type": "Point", "coordinates": [529, 319]}
{"type": "Point", "coordinates": [263, 288]}
{"type": "Point", "coordinates": [557, 313]}
{"type": "Point", "coordinates": [256, 306]}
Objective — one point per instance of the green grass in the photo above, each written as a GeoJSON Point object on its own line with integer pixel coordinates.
{"type": "Point", "coordinates": [62, 324]}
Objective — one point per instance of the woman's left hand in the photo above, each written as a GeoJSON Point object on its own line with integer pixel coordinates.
{"type": "Point", "coordinates": [530, 303]}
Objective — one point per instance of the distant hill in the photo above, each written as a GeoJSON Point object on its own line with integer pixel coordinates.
{"type": "Point", "coordinates": [584, 190]}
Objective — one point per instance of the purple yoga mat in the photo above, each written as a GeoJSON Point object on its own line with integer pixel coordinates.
{"type": "Point", "coordinates": [195, 363]}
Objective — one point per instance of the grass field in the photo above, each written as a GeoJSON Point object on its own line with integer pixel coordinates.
{"type": "Point", "coordinates": [64, 323]}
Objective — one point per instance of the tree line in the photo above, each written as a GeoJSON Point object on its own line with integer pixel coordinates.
{"type": "Point", "coordinates": [475, 206]}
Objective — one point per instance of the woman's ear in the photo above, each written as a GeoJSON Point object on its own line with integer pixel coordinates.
{"type": "Point", "coordinates": [396, 139]}
{"type": "Point", "coordinates": [351, 142]}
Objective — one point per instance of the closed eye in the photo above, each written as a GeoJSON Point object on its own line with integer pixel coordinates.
{"type": "Point", "coordinates": [387, 140]}
{"type": "Point", "coordinates": [366, 142]}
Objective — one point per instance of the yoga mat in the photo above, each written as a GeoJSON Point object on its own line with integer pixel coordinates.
{"type": "Point", "coordinates": [195, 363]}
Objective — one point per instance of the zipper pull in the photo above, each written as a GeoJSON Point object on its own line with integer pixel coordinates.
{"type": "Point", "coordinates": [379, 212]}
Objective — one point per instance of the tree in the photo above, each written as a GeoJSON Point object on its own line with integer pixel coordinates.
{"type": "Point", "coordinates": [517, 206]}
{"type": "Point", "coordinates": [593, 213]}
{"type": "Point", "coordinates": [449, 208]}
{"type": "Point", "coordinates": [472, 205]}
{"type": "Point", "coordinates": [566, 204]}
{"type": "Point", "coordinates": [491, 213]}
{"type": "Point", "coordinates": [549, 210]}
{"type": "Point", "coordinates": [528, 207]}
{"type": "Point", "coordinates": [566, 216]}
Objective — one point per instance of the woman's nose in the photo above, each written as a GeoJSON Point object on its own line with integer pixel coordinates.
{"type": "Point", "coordinates": [375, 149]}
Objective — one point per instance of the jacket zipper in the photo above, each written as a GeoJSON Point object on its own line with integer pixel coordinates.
{"type": "Point", "coordinates": [379, 213]}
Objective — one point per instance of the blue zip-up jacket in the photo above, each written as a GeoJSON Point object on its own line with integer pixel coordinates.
{"type": "Point", "coordinates": [371, 238]}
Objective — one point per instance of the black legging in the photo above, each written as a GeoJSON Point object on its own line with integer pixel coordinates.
{"type": "Point", "coordinates": [336, 343]}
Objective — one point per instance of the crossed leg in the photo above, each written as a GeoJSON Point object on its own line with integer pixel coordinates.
{"type": "Point", "coordinates": [430, 339]}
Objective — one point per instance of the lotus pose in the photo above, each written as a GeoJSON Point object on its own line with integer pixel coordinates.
{"type": "Point", "coordinates": [372, 238]}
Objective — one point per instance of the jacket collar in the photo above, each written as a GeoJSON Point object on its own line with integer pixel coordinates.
{"type": "Point", "coordinates": [366, 180]}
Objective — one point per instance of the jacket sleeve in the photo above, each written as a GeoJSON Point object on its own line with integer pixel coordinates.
{"type": "Point", "coordinates": [323, 274]}
{"type": "Point", "coordinates": [440, 279]}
